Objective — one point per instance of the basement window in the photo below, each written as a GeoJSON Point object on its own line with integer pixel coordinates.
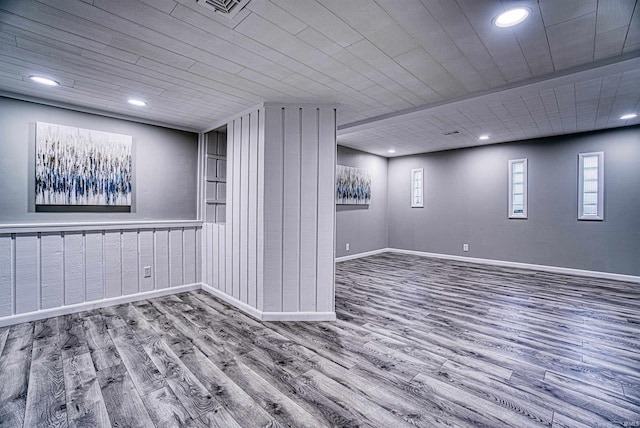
{"type": "Point", "coordinates": [591, 186]}
{"type": "Point", "coordinates": [417, 188]}
{"type": "Point", "coordinates": [518, 188]}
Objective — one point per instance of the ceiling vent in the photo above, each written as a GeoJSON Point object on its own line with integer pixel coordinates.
{"type": "Point", "coordinates": [228, 8]}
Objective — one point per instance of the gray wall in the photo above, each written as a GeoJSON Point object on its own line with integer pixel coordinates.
{"type": "Point", "coordinates": [363, 227]}
{"type": "Point", "coordinates": [466, 202]}
{"type": "Point", "coordinates": [165, 166]}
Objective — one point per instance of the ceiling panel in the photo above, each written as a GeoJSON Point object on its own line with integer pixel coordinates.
{"type": "Point", "coordinates": [402, 71]}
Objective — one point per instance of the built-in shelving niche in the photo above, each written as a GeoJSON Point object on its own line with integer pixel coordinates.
{"type": "Point", "coordinates": [216, 177]}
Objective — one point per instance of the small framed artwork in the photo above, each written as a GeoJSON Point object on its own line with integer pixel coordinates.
{"type": "Point", "coordinates": [518, 188]}
{"type": "Point", "coordinates": [417, 188]}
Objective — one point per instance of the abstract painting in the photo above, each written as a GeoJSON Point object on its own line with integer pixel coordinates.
{"type": "Point", "coordinates": [353, 186]}
{"type": "Point", "coordinates": [76, 166]}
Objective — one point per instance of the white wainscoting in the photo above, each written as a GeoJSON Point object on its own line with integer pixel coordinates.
{"type": "Point", "coordinates": [48, 270]}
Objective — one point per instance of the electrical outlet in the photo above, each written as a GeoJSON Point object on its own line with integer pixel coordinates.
{"type": "Point", "coordinates": [147, 271]}
{"type": "Point", "coordinates": [465, 247]}
{"type": "Point", "coordinates": [346, 247]}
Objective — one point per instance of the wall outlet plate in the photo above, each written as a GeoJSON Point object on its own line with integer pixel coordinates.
{"type": "Point", "coordinates": [147, 271]}
{"type": "Point", "coordinates": [465, 247]}
{"type": "Point", "coordinates": [346, 247]}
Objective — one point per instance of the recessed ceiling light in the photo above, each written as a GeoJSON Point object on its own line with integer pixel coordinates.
{"type": "Point", "coordinates": [44, 80]}
{"type": "Point", "coordinates": [391, 151]}
{"type": "Point", "coordinates": [483, 137]}
{"type": "Point", "coordinates": [135, 102]}
{"type": "Point", "coordinates": [511, 17]}
{"type": "Point", "coordinates": [628, 116]}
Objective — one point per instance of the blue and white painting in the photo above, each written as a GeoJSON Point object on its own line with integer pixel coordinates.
{"type": "Point", "coordinates": [353, 186]}
{"type": "Point", "coordinates": [76, 166]}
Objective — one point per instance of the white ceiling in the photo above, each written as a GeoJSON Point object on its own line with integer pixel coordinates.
{"type": "Point", "coordinates": [403, 71]}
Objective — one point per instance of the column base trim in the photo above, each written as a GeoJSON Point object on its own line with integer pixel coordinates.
{"type": "Point", "coordinates": [269, 316]}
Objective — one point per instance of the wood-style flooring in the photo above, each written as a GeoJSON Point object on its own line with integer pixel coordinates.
{"type": "Point", "coordinates": [418, 342]}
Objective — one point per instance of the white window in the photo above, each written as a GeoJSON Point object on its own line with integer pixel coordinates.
{"type": "Point", "coordinates": [518, 188]}
{"type": "Point", "coordinates": [417, 188]}
{"type": "Point", "coordinates": [591, 186]}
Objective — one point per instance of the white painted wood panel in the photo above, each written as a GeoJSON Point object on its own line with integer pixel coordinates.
{"type": "Point", "coordinates": [244, 208]}
{"type": "Point", "coordinates": [189, 256]}
{"type": "Point", "coordinates": [113, 264]}
{"type": "Point", "coordinates": [207, 256]}
{"type": "Point", "coordinates": [214, 258]}
{"type": "Point", "coordinates": [252, 208]}
{"type": "Point", "coordinates": [222, 251]}
{"type": "Point", "coordinates": [27, 287]}
{"type": "Point", "coordinates": [309, 209]}
{"type": "Point", "coordinates": [326, 210]}
{"type": "Point", "coordinates": [198, 255]}
{"type": "Point", "coordinates": [260, 213]}
{"type": "Point", "coordinates": [227, 285]}
{"type": "Point", "coordinates": [145, 259]}
{"type": "Point", "coordinates": [94, 266]}
{"type": "Point", "coordinates": [6, 276]}
{"type": "Point", "coordinates": [291, 211]}
{"type": "Point", "coordinates": [273, 197]}
{"type": "Point", "coordinates": [175, 257]}
{"type": "Point", "coordinates": [275, 253]}
{"type": "Point", "coordinates": [52, 282]}
{"type": "Point", "coordinates": [235, 201]}
{"type": "Point", "coordinates": [161, 259]}
{"type": "Point", "coordinates": [130, 262]}
{"type": "Point", "coordinates": [74, 284]}
{"type": "Point", "coordinates": [54, 269]}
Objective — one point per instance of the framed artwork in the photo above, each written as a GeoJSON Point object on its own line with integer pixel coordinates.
{"type": "Point", "coordinates": [417, 188]}
{"type": "Point", "coordinates": [76, 166]}
{"type": "Point", "coordinates": [353, 186]}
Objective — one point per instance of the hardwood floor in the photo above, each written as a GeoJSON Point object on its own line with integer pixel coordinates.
{"type": "Point", "coordinates": [418, 342]}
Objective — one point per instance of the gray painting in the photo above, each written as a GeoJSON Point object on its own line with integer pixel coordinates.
{"type": "Point", "coordinates": [76, 166]}
{"type": "Point", "coordinates": [353, 186]}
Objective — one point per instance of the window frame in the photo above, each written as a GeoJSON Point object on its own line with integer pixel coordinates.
{"type": "Point", "coordinates": [599, 216]}
{"type": "Point", "coordinates": [525, 183]}
{"type": "Point", "coordinates": [415, 204]}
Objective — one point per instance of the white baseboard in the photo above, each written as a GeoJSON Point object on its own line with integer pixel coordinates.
{"type": "Point", "coordinates": [360, 255]}
{"type": "Point", "coordinates": [518, 265]}
{"type": "Point", "coordinates": [87, 306]}
{"type": "Point", "coordinates": [269, 316]}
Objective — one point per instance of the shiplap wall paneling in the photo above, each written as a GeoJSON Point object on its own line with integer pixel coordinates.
{"type": "Point", "coordinates": [175, 257]}
{"type": "Point", "coordinates": [260, 211]}
{"type": "Point", "coordinates": [52, 283]}
{"type": "Point", "coordinates": [145, 259]}
{"type": "Point", "coordinates": [6, 275]}
{"type": "Point", "coordinates": [244, 208]}
{"type": "Point", "coordinates": [252, 209]}
{"type": "Point", "coordinates": [94, 265]}
{"type": "Point", "coordinates": [74, 285]}
{"type": "Point", "coordinates": [235, 200]}
{"type": "Point", "coordinates": [215, 257]}
{"type": "Point", "coordinates": [198, 255]}
{"type": "Point", "coordinates": [326, 210]}
{"type": "Point", "coordinates": [273, 210]}
{"type": "Point", "coordinates": [113, 263]}
{"type": "Point", "coordinates": [309, 210]}
{"type": "Point", "coordinates": [161, 259]}
{"type": "Point", "coordinates": [130, 262]}
{"type": "Point", "coordinates": [291, 244]}
{"type": "Point", "coordinates": [27, 288]}
{"type": "Point", "coordinates": [189, 257]}
{"type": "Point", "coordinates": [227, 287]}
{"type": "Point", "coordinates": [221, 272]}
